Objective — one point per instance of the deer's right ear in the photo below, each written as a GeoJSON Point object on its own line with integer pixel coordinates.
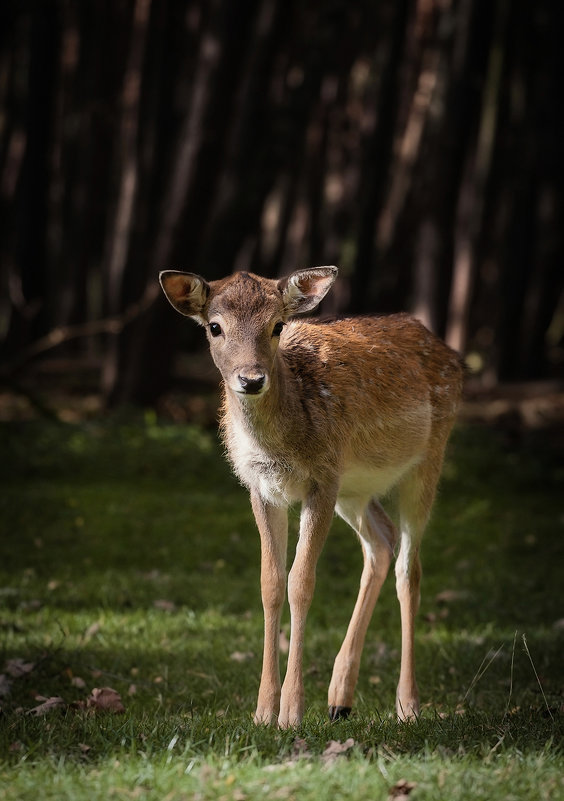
{"type": "Point", "coordinates": [187, 292]}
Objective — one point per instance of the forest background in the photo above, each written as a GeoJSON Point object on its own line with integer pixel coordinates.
{"type": "Point", "coordinates": [417, 144]}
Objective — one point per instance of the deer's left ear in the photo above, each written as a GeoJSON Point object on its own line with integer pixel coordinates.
{"type": "Point", "coordinates": [187, 292]}
{"type": "Point", "coordinates": [303, 290]}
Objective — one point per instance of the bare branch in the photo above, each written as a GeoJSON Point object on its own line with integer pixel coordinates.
{"type": "Point", "coordinates": [65, 333]}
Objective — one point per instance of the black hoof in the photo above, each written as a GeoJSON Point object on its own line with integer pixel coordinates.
{"type": "Point", "coordinates": [339, 712]}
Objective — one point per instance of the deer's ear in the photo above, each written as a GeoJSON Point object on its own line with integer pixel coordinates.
{"type": "Point", "coordinates": [303, 290]}
{"type": "Point", "coordinates": [187, 292]}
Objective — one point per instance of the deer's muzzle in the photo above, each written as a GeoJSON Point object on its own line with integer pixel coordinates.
{"type": "Point", "coordinates": [253, 383]}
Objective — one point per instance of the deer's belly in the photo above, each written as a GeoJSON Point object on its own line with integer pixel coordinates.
{"type": "Point", "coordinates": [365, 481]}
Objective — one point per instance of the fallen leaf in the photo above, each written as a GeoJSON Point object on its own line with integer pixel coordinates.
{"type": "Point", "coordinates": [151, 575]}
{"type": "Point", "coordinates": [300, 749]}
{"type": "Point", "coordinates": [105, 699]}
{"type": "Point", "coordinates": [164, 605]}
{"type": "Point", "coordinates": [79, 682]}
{"type": "Point", "coordinates": [283, 642]}
{"type": "Point", "coordinates": [132, 689]}
{"type": "Point", "coordinates": [47, 705]}
{"type": "Point", "coordinates": [448, 596]}
{"type": "Point", "coordinates": [401, 790]}
{"type": "Point", "coordinates": [242, 656]}
{"type": "Point", "coordinates": [84, 749]}
{"type": "Point", "coordinates": [18, 667]}
{"type": "Point", "coordinates": [433, 617]}
{"type": "Point", "coordinates": [92, 630]}
{"type": "Point", "coordinates": [335, 748]}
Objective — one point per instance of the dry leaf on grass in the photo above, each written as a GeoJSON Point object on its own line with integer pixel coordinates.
{"type": "Point", "coordinates": [335, 749]}
{"type": "Point", "coordinates": [92, 630]}
{"type": "Point", "coordinates": [448, 596]}
{"type": "Point", "coordinates": [401, 790]}
{"type": "Point", "coordinates": [300, 749]}
{"type": "Point", "coordinates": [105, 699]}
{"type": "Point", "coordinates": [47, 705]}
{"type": "Point", "coordinates": [242, 656]}
{"type": "Point", "coordinates": [17, 668]}
{"type": "Point", "coordinates": [164, 605]}
{"type": "Point", "coordinates": [283, 642]}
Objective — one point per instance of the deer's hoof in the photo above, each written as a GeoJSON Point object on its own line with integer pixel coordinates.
{"type": "Point", "coordinates": [339, 712]}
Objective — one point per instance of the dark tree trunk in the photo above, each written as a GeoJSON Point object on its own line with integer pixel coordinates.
{"type": "Point", "coordinates": [31, 319]}
{"type": "Point", "coordinates": [376, 160]}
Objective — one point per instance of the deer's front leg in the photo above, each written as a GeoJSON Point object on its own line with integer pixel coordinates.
{"type": "Point", "coordinates": [272, 523]}
{"type": "Point", "coordinates": [314, 526]}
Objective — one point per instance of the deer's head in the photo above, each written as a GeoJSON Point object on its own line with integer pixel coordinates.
{"type": "Point", "coordinates": [244, 316]}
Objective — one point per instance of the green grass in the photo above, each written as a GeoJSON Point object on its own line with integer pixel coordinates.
{"type": "Point", "coordinates": [129, 558]}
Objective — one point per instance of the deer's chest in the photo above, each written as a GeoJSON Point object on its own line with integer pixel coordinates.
{"type": "Point", "coordinates": [278, 478]}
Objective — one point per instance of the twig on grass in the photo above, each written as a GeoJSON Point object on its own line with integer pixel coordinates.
{"type": "Point", "coordinates": [511, 675]}
{"type": "Point", "coordinates": [537, 677]}
{"type": "Point", "coordinates": [481, 670]}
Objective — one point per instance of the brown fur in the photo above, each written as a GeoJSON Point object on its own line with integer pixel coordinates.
{"type": "Point", "coordinates": [333, 415]}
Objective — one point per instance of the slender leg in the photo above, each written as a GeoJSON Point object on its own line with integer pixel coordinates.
{"type": "Point", "coordinates": [408, 581]}
{"type": "Point", "coordinates": [272, 523]}
{"type": "Point", "coordinates": [417, 492]}
{"type": "Point", "coordinates": [377, 535]}
{"type": "Point", "coordinates": [315, 520]}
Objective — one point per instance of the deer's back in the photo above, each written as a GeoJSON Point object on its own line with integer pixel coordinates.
{"type": "Point", "coordinates": [389, 364]}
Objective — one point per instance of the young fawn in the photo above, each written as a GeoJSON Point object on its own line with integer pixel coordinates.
{"type": "Point", "coordinates": [334, 415]}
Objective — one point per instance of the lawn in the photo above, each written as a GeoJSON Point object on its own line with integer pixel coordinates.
{"type": "Point", "coordinates": [129, 559]}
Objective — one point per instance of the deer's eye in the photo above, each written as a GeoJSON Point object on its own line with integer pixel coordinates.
{"type": "Point", "coordinates": [215, 329]}
{"type": "Point", "coordinates": [277, 330]}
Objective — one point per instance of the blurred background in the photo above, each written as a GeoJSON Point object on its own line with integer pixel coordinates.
{"type": "Point", "coordinates": [416, 144]}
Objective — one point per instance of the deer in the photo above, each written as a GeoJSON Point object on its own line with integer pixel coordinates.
{"type": "Point", "coordinates": [334, 415]}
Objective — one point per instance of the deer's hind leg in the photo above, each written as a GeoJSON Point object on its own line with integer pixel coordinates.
{"type": "Point", "coordinates": [416, 495]}
{"type": "Point", "coordinates": [377, 536]}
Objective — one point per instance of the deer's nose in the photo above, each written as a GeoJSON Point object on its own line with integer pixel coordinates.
{"type": "Point", "coordinates": [252, 384]}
